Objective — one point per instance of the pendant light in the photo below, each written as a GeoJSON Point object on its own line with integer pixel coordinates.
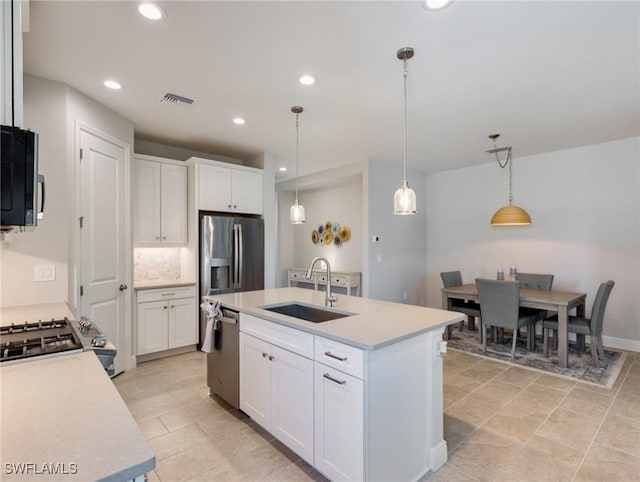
{"type": "Point", "coordinates": [508, 215]}
{"type": "Point", "coordinates": [296, 213]}
{"type": "Point", "coordinates": [404, 200]}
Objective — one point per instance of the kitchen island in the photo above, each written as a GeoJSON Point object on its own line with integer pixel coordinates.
{"type": "Point", "coordinates": [358, 397]}
{"type": "Point", "coordinates": [62, 419]}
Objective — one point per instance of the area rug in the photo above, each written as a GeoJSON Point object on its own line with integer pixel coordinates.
{"type": "Point", "coordinates": [580, 367]}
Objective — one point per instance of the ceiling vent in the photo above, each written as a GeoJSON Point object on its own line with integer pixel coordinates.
{"type": "Point", "coordinates": [176, 99]}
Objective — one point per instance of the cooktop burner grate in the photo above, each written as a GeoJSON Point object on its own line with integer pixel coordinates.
{"type": "Point", "coordinates": [24, 340]}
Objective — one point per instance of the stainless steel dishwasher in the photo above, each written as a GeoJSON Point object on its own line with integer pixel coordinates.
{"type": "Point", "coordinates": [223, 361]}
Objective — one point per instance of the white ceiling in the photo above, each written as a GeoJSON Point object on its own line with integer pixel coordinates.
{"type": "Point", "coordinates": [547, 75]}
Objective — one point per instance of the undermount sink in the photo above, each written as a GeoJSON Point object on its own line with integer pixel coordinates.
{"type": "Point", "coordinates": [302, 311]}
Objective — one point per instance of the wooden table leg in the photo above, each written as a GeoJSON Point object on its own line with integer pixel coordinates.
{"type": "Point", "coordinates": [445, 306]}
{"type": "Point", "coordinates": [563, 357]}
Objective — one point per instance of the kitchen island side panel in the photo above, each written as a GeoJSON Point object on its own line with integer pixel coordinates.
{"type": "Point", "coordinates": [404, 417]}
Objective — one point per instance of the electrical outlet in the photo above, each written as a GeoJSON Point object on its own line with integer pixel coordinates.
{"type": "Point", "coordinates": [44, 272]}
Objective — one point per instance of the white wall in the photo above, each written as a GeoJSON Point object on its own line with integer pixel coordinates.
{"type": "Point", "coordinates": [585, 209]}
{"type": "Point", "coordinates": [342, 204]}
{"type": "Point", "coordinates": [52, 110]}
{"type": "Point", "coordinates": [45, 112]}
{"type": "Point", "coordinates": [398, 261]}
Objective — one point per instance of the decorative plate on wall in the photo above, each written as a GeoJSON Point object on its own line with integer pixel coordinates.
{"type": "Point", "coordinates": [331, 233]}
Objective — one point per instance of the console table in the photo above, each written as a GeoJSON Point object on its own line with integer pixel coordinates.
{"type": "Point", "coordinates": [350, 281]}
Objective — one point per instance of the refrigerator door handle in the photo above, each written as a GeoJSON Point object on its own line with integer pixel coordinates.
{"type": "Point", "coordinates": [241, 255]}
{"type": "Point", "coordinates": [235, 256]}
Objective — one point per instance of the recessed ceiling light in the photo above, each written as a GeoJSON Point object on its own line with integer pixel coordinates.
{"type": "Point", "coordinates": [436, 4]}
{"type": "Point", "coordinates": [239, 121]}
{"type": "Point", "coordinates": [282, 169]}
{"type": "Point", "coordinates": [151, 10]}
{"type": "Point", "coordinates": [112, 84]}
{"type": "Point", "coordinates": [307, 79]}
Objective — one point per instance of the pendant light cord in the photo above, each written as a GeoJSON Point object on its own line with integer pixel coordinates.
{"type": "Point", "coordinates": [406, 117]}
{"type": "Point", "coordinates": [503, 165]}
{"type": "Point", "coordinates": [297, 158]}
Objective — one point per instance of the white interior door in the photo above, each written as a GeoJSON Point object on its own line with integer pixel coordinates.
{"type": "Point", "coordinates": [102, 238]}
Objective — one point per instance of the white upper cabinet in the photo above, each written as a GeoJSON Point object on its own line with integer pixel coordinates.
{"type": "Point", "coordinates": [235, 189]}
{"type": "Point", "coordinates": [160, 202]}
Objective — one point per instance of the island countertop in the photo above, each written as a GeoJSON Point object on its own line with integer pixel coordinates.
{"type": "Point", "coordinates": [62, 419]}
{"type": "Point", "coordinates": [374, 323]}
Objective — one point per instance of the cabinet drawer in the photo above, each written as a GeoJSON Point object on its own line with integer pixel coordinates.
{"type": "Point", "coordinates": [338, 281]}
{"type": "Point", "coordinates": [298, 275]}
{"type": "Point", "coordinates": [340, 356]}
{"type": "Point", "coordinates": [290, 339]}
{"type": "Point", "coordinates": [159, 294]}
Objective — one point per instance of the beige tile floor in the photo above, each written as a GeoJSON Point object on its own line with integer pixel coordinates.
{"type": "Point", "coordinates": [501, 422]}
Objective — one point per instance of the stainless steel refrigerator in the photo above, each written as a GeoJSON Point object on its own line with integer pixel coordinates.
{"type": "Point", "coordinates": [231, 259]}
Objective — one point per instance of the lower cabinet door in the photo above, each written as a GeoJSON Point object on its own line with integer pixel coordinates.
{"type": "Point", "coordinates": [152, 327]}
{"type": "Point", "coordinates": [292, 416]}
{"type": "Point", "coordinates": [339, 424]}
{"type": "Point", "coordinates": [255, 380]}
{"type": "Point", "coordinates": [182, 322]}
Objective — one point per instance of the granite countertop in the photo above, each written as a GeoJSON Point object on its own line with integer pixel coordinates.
{"type": "Point", "coordinates": [143, 285]}
{"type": "Point", "coordinates": [375, 323]}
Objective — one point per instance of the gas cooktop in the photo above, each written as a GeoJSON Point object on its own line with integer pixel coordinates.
{"type": "Point", "coordinates": [25, 340]}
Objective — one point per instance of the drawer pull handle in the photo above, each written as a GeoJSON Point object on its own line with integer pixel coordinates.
{"type": "Point", "coordinates": [167, 294]}
{"type": "Point", "coordinates": [336, 357]}
{"type": "Point", "coordinates": [334, 380]}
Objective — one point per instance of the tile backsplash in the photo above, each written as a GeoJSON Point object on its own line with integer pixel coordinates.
{"type": "Point", "coordinates": [156, 264]}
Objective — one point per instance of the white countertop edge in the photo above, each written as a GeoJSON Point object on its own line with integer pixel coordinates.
{"type": "Point", "coordinates": [308, 326]}
{"type": "Point", "coordinates": [163, 284]}
{"type": "Point", "coordinates": [370, 309]}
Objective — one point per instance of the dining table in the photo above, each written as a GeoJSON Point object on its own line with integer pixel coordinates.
{"type": "Point", "coordinates": [551, 300]}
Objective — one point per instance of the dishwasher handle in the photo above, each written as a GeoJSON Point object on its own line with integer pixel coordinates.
{"type": "Point", "coordinates": [229, 316]}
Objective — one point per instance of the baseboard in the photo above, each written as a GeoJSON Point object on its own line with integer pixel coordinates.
{"type": "Point", "coordinates": [165, 353]}
{"type": "Point", "coordinates": [620, 343]}
{"type": "Point", "coordinates": [438, 456]}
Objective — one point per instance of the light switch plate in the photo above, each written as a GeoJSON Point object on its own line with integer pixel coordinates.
{"type": "Point", "coordinates": [44, 272]}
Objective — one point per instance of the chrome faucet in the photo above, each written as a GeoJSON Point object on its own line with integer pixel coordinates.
{"type": "Point", "coordinates": [328, 297]}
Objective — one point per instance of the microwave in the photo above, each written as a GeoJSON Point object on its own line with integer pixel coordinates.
{"type": "Point", "coordinates": [19, 179]}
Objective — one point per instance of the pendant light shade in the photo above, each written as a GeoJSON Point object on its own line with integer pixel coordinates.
{"type": "Point", "coordinates": [508, 215]}
{"type": "Point", "coordinates": [404, 200]}
{"type": "Point", "coordinates": [296, 213]}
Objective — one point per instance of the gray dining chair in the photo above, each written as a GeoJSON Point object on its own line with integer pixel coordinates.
{"type": "Point", "coordinates": [582, 327]}
{"type": "Point", "coordinates": [537, 282]}
{"type": "Point", "coordinates": [500, 308]}
{"type": "Point", "coordinates": [470, 308]}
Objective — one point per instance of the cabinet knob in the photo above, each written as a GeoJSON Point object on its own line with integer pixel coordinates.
{"type": "Point", "coordinates": [271, 357]}
{"type": "Point", "coordinates": [229, 205]}
{"type": "Point", "coordinates": [122, 287]}
{"type": "Point", "coordinates": [172, 306]}
{"type": "Point", "coordinates": [157, 237]}
{"type": "Point", "coordinates": [265, 355]}
{"type": "Point", "coordinates": [164, 237]}
{"type": "Point", "coordinates": [234, 206]}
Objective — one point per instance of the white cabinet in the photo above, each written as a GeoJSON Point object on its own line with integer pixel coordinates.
{"type": "Point", "coordinates": [375, 414]}
{"type": "Point", "coordinates": [229, 189]}
{"type": "Point", "coordinates": [339, 410]}
{"type": "Point", "coordinates": [339, 424]}
{"type": "Point", "coordinates": [166, 319]}
{"type": "Point", "coordinates": [160, 202]}
{"type": "Point", "coordinates": [276, 385]}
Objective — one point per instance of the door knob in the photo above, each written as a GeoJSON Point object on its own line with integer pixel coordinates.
{"type": "Point", "coordinates": [123, 287]}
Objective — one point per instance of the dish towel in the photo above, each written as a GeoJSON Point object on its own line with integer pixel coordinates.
{"type": "Point", "coordinates": [212, 309]}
